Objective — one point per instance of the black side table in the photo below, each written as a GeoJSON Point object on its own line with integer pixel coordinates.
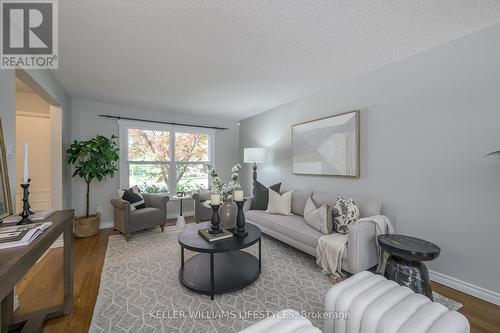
{"type": "Point", "coordinates": [405, 265]}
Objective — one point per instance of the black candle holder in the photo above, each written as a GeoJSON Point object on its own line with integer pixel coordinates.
{"type": "Point", "coordinates": [216, 229]}
{"type": "Point", "coordinates": [26, 205]}
{"type": "Point", "coordinates": [240, 220]}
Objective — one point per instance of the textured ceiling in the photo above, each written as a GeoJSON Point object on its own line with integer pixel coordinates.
{"type": "Point", "coordinates": [238, 58]}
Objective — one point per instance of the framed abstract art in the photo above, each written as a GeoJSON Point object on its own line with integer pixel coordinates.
{"type": "Point", "coordinates": [327, 146]}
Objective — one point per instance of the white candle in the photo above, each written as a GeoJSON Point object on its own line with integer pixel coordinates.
{"type": "Point", "coordinates": [238, 195]}
{"type": "Point", "coordinates": [215, 199]}
{"type": "Point", "coordinates": [25, 173]}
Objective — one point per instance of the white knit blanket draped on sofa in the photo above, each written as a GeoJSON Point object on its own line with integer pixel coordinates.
{"type": "Point", "coordinates": [331, 247]}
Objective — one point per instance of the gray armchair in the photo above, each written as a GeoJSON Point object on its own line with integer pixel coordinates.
{"type": "Point", "coordinates": [201, 213]}
{"type": "Point", "coordinates": [155, 214]}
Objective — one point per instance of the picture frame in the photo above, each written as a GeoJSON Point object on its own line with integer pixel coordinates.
{"type": "Point", "coordinates": [5, 197]}
{"type": "Point", "coordinates": [328, 146]}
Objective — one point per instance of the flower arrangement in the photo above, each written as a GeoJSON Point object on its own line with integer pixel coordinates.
{"type": "Point", "coordinates": [224, 189]}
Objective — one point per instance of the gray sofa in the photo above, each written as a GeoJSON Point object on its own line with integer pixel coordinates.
{"type": "Point", "coordinates": [155, 214]}
{"type": "Point", "coordinates": [361, 253]}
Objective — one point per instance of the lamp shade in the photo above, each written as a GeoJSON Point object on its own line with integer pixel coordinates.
{"type": "Point", "coordinates": [254, 155]}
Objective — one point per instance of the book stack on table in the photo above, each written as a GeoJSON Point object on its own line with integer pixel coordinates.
{"type": "Point", "coordinates": [205, 233]}
{"type": "Point", "coordinates": [21, 235]}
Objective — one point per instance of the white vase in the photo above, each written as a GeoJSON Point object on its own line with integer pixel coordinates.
{"type": "Point", "coordinates": [227, 213]}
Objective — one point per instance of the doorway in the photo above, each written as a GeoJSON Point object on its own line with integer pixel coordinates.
{"type": "Point", "coordinates": [38, 126]}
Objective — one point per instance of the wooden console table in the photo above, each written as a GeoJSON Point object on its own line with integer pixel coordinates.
{"type": "Point", "coordinates": [15, 263]}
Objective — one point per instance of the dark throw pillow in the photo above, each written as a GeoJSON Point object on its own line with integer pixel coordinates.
{"type": "Point", "coordinates": [261, 195]}
{"type": "Point", "coordinates": [136, 200]}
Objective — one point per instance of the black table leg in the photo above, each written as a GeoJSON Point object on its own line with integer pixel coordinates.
{"type": "Point", "coordinates": [260, 254]}
{"type": "Point", "coordinates": [212, 279]}
{"type": "Point", "coordinates": [182, 256]}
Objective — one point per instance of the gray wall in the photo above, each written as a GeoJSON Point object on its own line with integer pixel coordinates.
{"type": "Point", "coordinates": [426, 123]}
{"type": "Point", "coordinates": [54, 91]}
{"type": "Point", "coordinates": [85, 123]}
{"type": "Point", "coordinates": [8, 116]}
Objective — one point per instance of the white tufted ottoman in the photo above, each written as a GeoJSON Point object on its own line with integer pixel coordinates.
{"type": "Point", "coordinates": [373, 305]}
{"type": "Point", "coordinates": [378, 305]}
{"type": "Point", "coordinates": [285, 321]}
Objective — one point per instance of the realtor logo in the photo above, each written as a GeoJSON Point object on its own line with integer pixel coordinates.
{"type": "Point", "coordinates": [29, 33]}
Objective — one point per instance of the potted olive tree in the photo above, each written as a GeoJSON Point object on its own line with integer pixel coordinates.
{"type": "Point", "coordinates": [92, 159]}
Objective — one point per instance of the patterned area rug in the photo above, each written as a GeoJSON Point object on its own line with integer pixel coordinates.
{"type": "Point", "coordinates": [140, 290]}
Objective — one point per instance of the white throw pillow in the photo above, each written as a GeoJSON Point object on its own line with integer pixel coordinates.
{"type": "Point", "coordinates": [279, 204]}
{"type": "Point", "coordinates": [320, 218]}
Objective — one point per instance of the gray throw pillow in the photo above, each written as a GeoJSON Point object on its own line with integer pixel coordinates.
{"type": "Point", "coordinates": [261, 195]}
{"type": "Point", "coordinates": [320, 218]}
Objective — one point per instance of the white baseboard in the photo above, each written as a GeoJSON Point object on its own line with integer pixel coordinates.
{"type": "Point", "coordinates": [106, 224]}
{"type": "Point", "coordinates": [466, 287]}
{"type": "Point", "coordinates": [110, 224]}
{"type": "Point", "coordinates": [16, 300]}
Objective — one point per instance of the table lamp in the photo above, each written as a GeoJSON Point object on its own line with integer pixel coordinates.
{"type": "Point", "coordinates": [254, 155]}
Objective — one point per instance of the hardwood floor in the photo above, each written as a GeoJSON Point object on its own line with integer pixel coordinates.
{"type": "Point", "coordinates": [483, 317]}
{"type": "Point", "coordinates": [43, 286]}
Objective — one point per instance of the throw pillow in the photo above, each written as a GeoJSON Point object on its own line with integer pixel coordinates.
{"type": "Point", "coordinates": [261, 195]}
{"type": "Point", "coordinates": [345, 213]}
{"type": "Point", "coordinates": [320, 218]}
{"type": "Point", "coordinates": [135, 198]}
{"type": "Point", "coordinates": [279, 203]}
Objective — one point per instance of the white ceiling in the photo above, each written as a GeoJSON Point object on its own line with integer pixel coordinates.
{"type": "Point", "coordinates": [237, 58]}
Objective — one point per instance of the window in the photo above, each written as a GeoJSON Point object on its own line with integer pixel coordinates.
{"type": "Point", "coordinates": [164, 158]}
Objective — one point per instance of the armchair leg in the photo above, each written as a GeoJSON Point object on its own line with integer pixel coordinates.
{"type": "Point", "coordinates": [127, 236]}
{"type": "Point", "coordinates": [162, 226]}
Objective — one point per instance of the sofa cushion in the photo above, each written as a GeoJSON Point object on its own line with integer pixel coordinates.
{"type": "Point", "coordinates": [261, 195]}
{"type": "Point", "coordinates": [367, 207]}
{"type": "Point", "coordinates": [145, 218]}
{"type": "Point", "coordinates": [299, 199]}
{"type": "Point", "coordinates": [292, 226]}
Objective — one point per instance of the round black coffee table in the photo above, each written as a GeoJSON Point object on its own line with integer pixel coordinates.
{"type": "Point", "coordinates": [220, 267]}
{"type": "Point", "coordinates": [405, 265]}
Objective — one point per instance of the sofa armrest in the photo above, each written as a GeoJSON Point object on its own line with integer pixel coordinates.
{"type": "Point", "coordinates": [121, 214]}
{"type": "Point", "coordinates": [157, 201]}
{"type": "Point", "coordinates": [121, 204]}
{"type": "Point", "coordinates": [362, 252]}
